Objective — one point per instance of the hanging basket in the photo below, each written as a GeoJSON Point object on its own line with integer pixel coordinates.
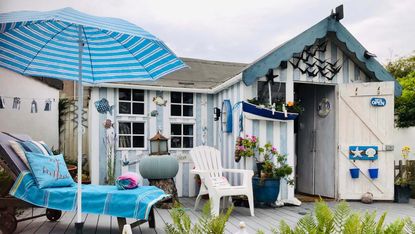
{"type": "Point", "coordinates": [373, 173]}
{"type": "Point", "coordinates": [354, 173]}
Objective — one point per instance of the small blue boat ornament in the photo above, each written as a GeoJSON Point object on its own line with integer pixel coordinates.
{"type": "Point", "coordinates": [103, 106]}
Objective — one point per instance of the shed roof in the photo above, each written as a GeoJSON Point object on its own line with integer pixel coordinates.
{"type": "Point", "coordinates": [326, 27]}
{"type": "Point", "coordinates": [202, 74]}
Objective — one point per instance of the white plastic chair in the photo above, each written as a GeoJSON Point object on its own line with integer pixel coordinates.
{"type": "Point", "coordinates": [208, 166]}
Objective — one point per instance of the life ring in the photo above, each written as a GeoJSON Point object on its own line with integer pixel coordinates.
{"type": "Point", "coordinates": [324, 107]}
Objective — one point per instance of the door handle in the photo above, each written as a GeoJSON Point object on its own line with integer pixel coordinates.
{"type": "Point", "coordinates": [312, 140]}
{"type": "Point", "coordinates": [315, 141]}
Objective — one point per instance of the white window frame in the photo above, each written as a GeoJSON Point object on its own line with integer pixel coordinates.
{"type": "Point", "coordinates": [181, 136]}
{"type": "Point", "coordinates": [131, 135]}
{"type": "Point", "coordinates": [131, 103]}
{"type": "Point", "coordinates": [181, 106]}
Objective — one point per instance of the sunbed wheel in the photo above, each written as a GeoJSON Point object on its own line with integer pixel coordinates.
{"type": "Point", "coordinates": [8, 223]}
{"type": "Point", "coordinates": [53, 215]}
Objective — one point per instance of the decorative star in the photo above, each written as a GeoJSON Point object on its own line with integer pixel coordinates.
{"type": "Point", "coordinates": [357, 153]}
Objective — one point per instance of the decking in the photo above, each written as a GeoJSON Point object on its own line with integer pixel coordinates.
{"type": "Point", "coordinates": [264, 219]}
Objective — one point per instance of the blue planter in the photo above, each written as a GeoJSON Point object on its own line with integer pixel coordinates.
{"type": "Point", "coordinates": [354, 173]}
{"type": "Point", "coordinates": [265, 191]}
{"type": "Point", "coordinates": [373, 173]}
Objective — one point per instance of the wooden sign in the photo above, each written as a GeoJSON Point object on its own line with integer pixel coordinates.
{"type": "Point", "coordinates": [378, 102]}
{"type": "Point", "coordinates": [363, 152]}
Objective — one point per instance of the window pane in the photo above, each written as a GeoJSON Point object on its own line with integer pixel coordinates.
{"type": "Point", "coordinates": [176, 97]}
{"type": "Point", "coordinates": [188, 98]}
{"type": "Point", "coordinates": [187, 142]}
{"type": "Point", "coordinates": [138, 141]}
{"type": "Point", "coordinates": [187, 129]}
{"type": "Point", "coordinates": [187, 110]}
{"type": "Point", "coordinates": [138, 128]}
{"type": "Point", "coordinates": [124, 142]}
{"type": "Point", "coordinates": [124, 128]}
{"type": "Point", "coordinates": [176, 142]}
{"type": "Point", "coordinates": [124, 94]}
{"type": "Point", "coordinates": [138, 108]}
{"type": "Point", "coordinates": [176, 129]}
{"type": "Point", "coordinates": [176, 110]}
{"type": "Point", "coordinates": [125, 108]}
{"type": "Point", "coordinates": [138, 95]}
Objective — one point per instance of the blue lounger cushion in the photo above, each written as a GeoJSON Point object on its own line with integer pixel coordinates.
{"type": "Point", "coordinates": [49, 171]}
{"type": "Point", "coordinates": [96, 199]}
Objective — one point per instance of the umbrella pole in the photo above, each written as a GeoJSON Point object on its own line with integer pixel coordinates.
{"type": "Point", "coordinates": [79, 224]}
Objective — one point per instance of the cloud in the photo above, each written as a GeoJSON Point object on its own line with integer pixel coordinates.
{"type": "Point", "coordinates": [242, 30]}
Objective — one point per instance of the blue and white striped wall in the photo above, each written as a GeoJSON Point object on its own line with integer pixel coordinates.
{"type": "Point", "coordinates": [267, 131]}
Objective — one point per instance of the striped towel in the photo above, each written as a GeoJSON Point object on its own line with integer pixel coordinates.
{"type": "Point", "coordinates": [96, 199]}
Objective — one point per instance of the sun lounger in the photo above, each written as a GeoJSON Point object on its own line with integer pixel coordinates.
{"type": "Point", "coordinates": [97, 199]}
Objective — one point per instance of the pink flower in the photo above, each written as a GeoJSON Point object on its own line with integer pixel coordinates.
{"type": "Point", "coordinates": [274, 149]}
{"type": "Point", "coordinates": [254, 139]}
{"type": "Point", "coordinates": [241, 148]}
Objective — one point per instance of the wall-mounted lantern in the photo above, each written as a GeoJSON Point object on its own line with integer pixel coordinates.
{"type": "Point", "coordinates": [159, 145]}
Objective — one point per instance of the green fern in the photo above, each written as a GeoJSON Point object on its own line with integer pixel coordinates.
{"type": "Point", "coordinates": [341, 214]}
{"type": "Point", "coordinates": [324, 217]}
{"type": "Point", "coordinates": [368, 223]}
{"type": "Point", "coordinates": [397, 227]}
{"type": "Point", "coordinates": [207, 223]}
{"type": "Point", "coordinates": [410, 226]}
{"type": "Point", "coordinates": [379, 227]}
{"type": "Point", "coordinates": [352, 224]}
{"type": "Point", "coordinates": [307, 224]}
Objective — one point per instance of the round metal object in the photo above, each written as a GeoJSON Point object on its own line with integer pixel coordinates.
{"type": "Point", "coordinates": [53, 215]}
{"type": "Point", "coordinates": [8, 223]}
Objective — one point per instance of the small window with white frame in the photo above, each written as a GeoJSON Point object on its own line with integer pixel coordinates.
{"type": "Point", "coordinates": [181, 136]}
{"type": "Point", "coordinates": [131, 102]}
{"type": "Point", "coordinates": [181, 104]}
{"type": "Point", "coordinates": [131, 135]}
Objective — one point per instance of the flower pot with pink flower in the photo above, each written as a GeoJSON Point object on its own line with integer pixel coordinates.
{"type": "Point", "coordinates": [245, 147]}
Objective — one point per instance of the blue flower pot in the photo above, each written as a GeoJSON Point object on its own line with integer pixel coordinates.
{"type": "Point", "coordinates": [373, 173]}
{"type": "Point", "coordinates": [267, 190]}
{"type": "Point", "coordinates": [354, 173]}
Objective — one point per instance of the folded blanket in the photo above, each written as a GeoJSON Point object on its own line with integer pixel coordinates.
{"type": "Point", "coordinates": [96, 199]}
{"type": "Point", "coordinates": [128, 180]}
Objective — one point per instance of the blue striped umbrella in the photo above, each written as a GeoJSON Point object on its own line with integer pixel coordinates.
{"type": "Point", "coordinates": [68, 44]}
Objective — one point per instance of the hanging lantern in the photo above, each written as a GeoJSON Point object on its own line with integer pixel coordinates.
{"type": "Point", "coordinates": [158, 145]}
{"type": "Point", "coordinates": [48, 105]}
{"type": "Point", "coordinates": [2, 103]}
{"type": "Point", "coordinates": [33, 107]}
{"type": "Point", "coordinates": [16, 103]}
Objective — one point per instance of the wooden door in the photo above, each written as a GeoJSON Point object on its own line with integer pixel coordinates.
{"type": "Point", "coordinates": [362, 124]}
{"type": "Point", "coordinates": [305, 140]}
{"type": "Point", "coordinates": [316, 141]}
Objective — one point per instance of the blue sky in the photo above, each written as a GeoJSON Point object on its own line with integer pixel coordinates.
{"type": "Point", "coordinates": [242, 31]}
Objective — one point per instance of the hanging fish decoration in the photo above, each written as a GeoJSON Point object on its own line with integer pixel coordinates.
{"type": "Point", "coordinates": [48, 105]}
{"type": "Point", "coordinates": [2, 103]}
{"type": "Point", "coordinates": [16, 103]}
{"type": "Point", "coordinates": [33, 107]}
{"type": "Point", "coordinates": [103, 106]}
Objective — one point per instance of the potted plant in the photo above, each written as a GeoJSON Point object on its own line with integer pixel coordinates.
{"type": "Point", "coordinates": [402, 180]}
{"type": "Point", "coordinates": [274, 168]}
{"type": "Point", "coordinates": [266, 153]}
{"type": "Point", "coordinates": [245, 147]}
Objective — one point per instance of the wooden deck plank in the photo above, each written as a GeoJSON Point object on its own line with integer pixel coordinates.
{"type": "Point", "coordinates": [90, 225]}
{"type": "Point", "coordinates": [36, 223]}
{"type": "Point", "coordinates": [22, 225]}
{"type": "Point", "coordinates": [63, 223]}
{"type": "Point", "coordinates": [104, 224]}
{"type": "Point", "coordinates": [265, 219]}
{"type": "Point", "coordinates": [71, 227]}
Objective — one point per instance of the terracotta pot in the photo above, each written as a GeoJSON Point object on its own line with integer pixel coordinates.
{"type": "Point", "coordinates": [72, 170]}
